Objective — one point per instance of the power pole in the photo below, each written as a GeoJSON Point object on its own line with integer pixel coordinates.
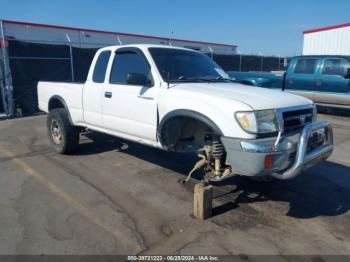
{"type": "Point", "coordinates": [71, 57]}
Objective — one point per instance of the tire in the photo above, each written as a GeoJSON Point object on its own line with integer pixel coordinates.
{"type": "Point", "coordinates": [63, 136]}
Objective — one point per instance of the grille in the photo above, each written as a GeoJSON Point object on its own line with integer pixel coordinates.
{"type": "Point", "coordinates": [296, 120]}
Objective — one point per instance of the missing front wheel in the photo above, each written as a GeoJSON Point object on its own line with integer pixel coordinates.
{"type": "Point", "coordinates": [212, 161]}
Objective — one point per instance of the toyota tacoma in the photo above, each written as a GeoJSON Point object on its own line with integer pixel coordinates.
{"type": "Point", "coordinates": [180, 100]}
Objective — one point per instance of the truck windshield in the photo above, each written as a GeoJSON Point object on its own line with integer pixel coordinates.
{"type": "Point", "coordinates": [177, 65]}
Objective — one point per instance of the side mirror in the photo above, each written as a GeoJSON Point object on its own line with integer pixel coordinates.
{"type": "Point", "coordinates": [347, 75]}
{"type": "Point", "coordinates": [137, 79]}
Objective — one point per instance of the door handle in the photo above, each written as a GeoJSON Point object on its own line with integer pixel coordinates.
{"type": "Point", "coordinates": [290, 81]}
{"type": "Point", "coordinates": [318, 82]}
{"type": "Point", "coordinates": [108, 94]}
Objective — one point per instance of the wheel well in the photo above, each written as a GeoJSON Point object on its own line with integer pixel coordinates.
{"type": "Point", "coordinates": [55, 103]}
{"type": "Point", "coordinates": [58, 102]}
{"type": "Point", "coordinates": [185, 134]}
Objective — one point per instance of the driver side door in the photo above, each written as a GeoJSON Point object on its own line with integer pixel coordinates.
{"type": "Point", "coordinates": [128, 108]}
{"type": "Point", "coordinates": [333, 86]}
{"type": "Point", "coordinates": [300, 79]}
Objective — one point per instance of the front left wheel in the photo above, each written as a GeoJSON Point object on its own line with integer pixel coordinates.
{"type": "Point", "coordinates": [63, 136]}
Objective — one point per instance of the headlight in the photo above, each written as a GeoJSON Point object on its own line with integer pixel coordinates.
{"type": "Point", "coordinates": [247, 121]}
{"type": "Point", "coordinates": [258, 122]}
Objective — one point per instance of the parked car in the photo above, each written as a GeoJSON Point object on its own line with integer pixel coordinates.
{"type": "Point", "coordinates": [180, 100]}
{"type": "Point", "coordinates": [323, 79]}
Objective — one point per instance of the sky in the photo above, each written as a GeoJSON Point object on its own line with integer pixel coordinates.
{"type": "Point", "coordinates": [258, 27]}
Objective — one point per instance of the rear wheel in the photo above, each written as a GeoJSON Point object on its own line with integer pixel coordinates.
{"type": "Point", "coordinates": [62, 134]}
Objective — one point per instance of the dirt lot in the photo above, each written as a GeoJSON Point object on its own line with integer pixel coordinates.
{"type": "Point", "coordinates": [117, 197]}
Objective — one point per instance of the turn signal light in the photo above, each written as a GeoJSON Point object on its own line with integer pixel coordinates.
{"type": "Point", "coordinates": [268, 161]}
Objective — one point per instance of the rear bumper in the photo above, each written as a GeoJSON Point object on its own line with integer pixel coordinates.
{"type": "Point", "coordinates": [289, 157]}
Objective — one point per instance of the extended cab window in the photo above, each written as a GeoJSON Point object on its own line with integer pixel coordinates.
{"type": "Point", "coordinates": [305, 66]}
{"type": "Point", "coordinates": [101, 67]}
{"type": "Point", "coordinates": [335, 66]}
{"type": "Point", "coordinates": [128, 62]}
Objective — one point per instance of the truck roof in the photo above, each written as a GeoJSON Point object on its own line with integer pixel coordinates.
{"type": "Point", "coordinates": [320, 56]}
{"type": "Point", "coordinates": [146, 46]}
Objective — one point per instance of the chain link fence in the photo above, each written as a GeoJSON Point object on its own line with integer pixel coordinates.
{"type": "Point", "coordinates": [246, 63]}
{"type": "Point", "coordinates": [32, 62]}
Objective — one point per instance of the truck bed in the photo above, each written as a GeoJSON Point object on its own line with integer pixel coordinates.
{"type": "Point", "coordinates": [71, 93]}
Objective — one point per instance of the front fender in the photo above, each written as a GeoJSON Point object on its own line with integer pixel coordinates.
{"type": "Point", "coordinates": [219, 115]}
{"type": "Point", "coordinates": [192, 114]}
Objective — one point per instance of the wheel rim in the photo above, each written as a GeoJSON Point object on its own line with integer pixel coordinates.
{"type": "Point", "coordinates": [56, 132]}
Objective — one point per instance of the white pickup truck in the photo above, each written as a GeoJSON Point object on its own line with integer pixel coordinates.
{"type": "Point", "coordinates": [180, 100]}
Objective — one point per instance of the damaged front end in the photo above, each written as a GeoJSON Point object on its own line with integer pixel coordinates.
{"type": "Point", "coordinates": [184, 134]}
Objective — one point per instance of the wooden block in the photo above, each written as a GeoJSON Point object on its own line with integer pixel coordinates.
{"type": "Point", "coordinates": [202, 201]}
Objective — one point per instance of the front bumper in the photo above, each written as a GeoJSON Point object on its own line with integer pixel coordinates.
{"type": "Point", "coordinates": [290, 156]}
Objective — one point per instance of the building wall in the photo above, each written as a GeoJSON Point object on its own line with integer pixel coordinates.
{"type": "Point", "coordinates": [328, 42]}
{"type": "Point", "coordinates": [54, 53]}
{"type": "Point", "coordinates": [94, 39]}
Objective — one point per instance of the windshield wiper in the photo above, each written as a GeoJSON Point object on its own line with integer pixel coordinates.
{"type": "Point", "coordinates": [188, 79]}
{"type": "Point", "coordinates": [216, 79]}
{"type": "Point", "coordinates": [202, 79]}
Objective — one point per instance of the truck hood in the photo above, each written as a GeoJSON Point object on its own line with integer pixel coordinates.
{"type": "Point", "coordinates": [256, 97]}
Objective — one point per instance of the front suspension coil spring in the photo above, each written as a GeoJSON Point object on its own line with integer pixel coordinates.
{"type": "Point", "coordinates": [218, 148]}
